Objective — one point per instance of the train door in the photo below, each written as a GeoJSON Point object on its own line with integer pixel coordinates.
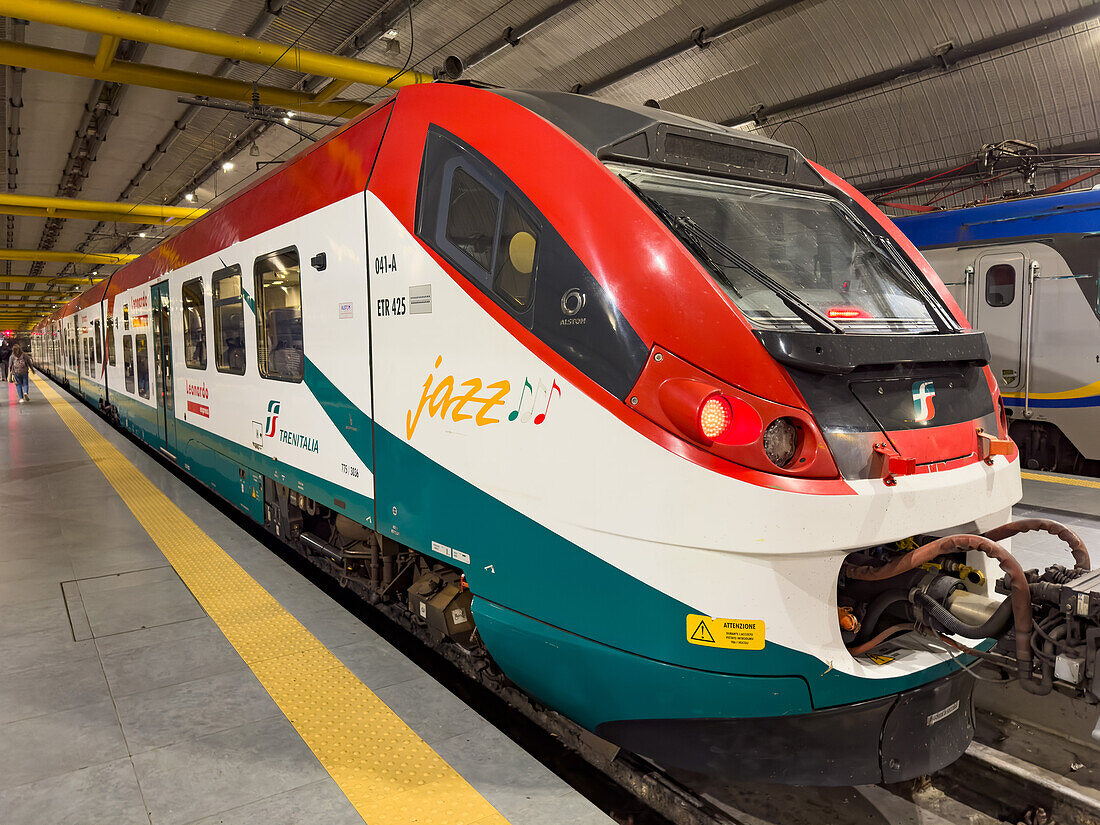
{"type": "Point", "coordinates": [162, 359]}
{"type": "Point", "coordinates": [1001, 294]}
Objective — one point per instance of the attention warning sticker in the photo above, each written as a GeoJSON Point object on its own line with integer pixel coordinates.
{"type": "Point", "coordinates": [733, 634]}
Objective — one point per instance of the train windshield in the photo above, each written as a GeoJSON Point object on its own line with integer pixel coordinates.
{"type": "Point", "coordinates": [790, 259]}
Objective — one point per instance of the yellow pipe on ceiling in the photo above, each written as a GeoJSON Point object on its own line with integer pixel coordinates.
{"type": "Point", "coordinates": [106, 53]}
{"type": "Point", "coordinates": [41, 293]}
{"type": "Point", "coordinates": [79, 215]}
{"type": "Point", "coordinates": [146, 210]}
{"type": "Point", "coordinates": [45, 59]}
{"type": "Point", "coordinates": [49, 279]}
{"type": "Point", "coordinates": [63, 257]}
{"type": "Point", "coordinates": [129, 26]}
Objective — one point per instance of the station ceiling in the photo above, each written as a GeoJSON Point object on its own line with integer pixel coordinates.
{"type": "Point", "coordinates": [884, 93]}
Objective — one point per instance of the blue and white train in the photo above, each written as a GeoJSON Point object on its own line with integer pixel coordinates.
{"type": "Point", "coordinates": [1026, 273]}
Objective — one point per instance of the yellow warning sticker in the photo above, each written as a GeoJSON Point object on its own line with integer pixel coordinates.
{"type": "Point", "coordinates": [732, 634]}
{"type": "Point", "coordinates": [880, 660]}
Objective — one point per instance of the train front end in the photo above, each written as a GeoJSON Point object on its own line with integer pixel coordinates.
{"type": "Point", "coordinates": [749, 539]}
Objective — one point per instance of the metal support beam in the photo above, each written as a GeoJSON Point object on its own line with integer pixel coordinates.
{"type": "Point", "coordinates": [158, 77]}
{"type": "Point", "coordinates": [514, 34]}
{"type": "Point", "coordinates": [106, 52]}
{"type": "Point", "coordinates": [330, 91]}
{"type": "Point", "coordinates": [940, 61]}
{"type": "Point", "coordinates": [700, 39]}
{"type": "Point", "coordinates": [64, 257]}
{"type": "Point", "coordinates": [73, 15]}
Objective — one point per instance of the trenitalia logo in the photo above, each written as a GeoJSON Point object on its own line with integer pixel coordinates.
{"type": "Point", "coordinates": [272, 417]}
{"type": "Point", "coordinates": [923, 393]}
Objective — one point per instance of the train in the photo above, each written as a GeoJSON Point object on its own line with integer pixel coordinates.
{"type": "Point", "coordinates": [1026, 271]}
{"type": "Point", "coordinates": [668, 420]}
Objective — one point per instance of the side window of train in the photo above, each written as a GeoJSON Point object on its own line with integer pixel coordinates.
{"type": "Point", "coordinates": [228, 306]}
{"type": "Point", "coordinates": [98, 343]}
{"type": "Point", "coordinates": [142, 352]}
{"type": "Point", "coordinates": [128, 362]}
{"type": "Point", "coordinates": [194, 325]}
{"type": "Point", "coordinates": [490, 231]}
{"type": "Point", "coordinates": [476, 219]}
{"type": "Point", "coordinates": [279, 344]}
{"type": "Point", "coordinates": [111, 357]}
{"type": "Point", "coordinates": [1000, 285]}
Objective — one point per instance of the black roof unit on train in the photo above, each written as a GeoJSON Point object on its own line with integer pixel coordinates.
{"type": "Point", "coordinates": [643, 134]}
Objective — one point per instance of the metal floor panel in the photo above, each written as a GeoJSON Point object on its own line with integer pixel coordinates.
{"type": "Point", "coordinates": [137, 685]}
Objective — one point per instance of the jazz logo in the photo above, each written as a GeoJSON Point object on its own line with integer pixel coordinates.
{"type": "Point", "coordinates": [441, 397]}
{"type": "Point", "coordinates": [272, 417]}
{"type": "Point", "coordinates": [923, 393]}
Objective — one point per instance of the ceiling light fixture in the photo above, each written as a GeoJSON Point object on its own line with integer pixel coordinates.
{"type": "Point", "coordinates": [189, 197]}
{"type": "Point", "coordinates": [227, 166]}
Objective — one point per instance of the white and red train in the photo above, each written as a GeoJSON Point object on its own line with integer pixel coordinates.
{"type": "Point", "coordinates": [640, 398]}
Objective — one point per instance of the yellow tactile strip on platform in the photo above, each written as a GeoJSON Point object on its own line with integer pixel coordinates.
{"type": "Point", "coordinates": [1072, 482]}
{"type": "Point", "coordinates": [389, 774]}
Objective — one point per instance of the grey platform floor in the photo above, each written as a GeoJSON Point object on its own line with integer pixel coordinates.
{"type": "Point", "coordinates": [121, 701]}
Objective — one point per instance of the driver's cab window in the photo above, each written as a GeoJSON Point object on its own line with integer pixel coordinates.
{"type": "Point", "coordinates": [492, 233]}
{"type": "Point", "coordinates": [482, 229]}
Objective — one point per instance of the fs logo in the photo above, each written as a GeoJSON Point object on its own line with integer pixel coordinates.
{"type": "Point", "coordinates": [923, 393]}
{"type": "Point", "coordinates": [272, 417]}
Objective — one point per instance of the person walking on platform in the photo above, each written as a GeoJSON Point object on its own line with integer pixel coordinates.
{"type": "Point", "coordinates": [19, 366]}
{"type": "Point", "coordinates": [5, 354]}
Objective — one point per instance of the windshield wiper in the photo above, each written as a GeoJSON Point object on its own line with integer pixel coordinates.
{"type": "Point", "coordinates": [695, 237]}
{"type": "Point", "coordinates": [940, 316]}
{"type": "Point", "coordinates": [672, 222]}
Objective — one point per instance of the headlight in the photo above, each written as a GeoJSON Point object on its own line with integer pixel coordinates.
{"type": "Point", "coordinates": [781, 441]}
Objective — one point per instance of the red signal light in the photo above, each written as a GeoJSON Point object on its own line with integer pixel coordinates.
{"type": "Point", "coordinates": [703, 413]}
{"type": "Point", "coordinates": [847, 312]}
{"type": "Point", "coordinates": [715, 417]}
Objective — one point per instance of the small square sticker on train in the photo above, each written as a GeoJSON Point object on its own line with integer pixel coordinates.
{"type": "Point", "coordinates": [731, 634]}
{"type": "Point", "coordinates": [346, 310]}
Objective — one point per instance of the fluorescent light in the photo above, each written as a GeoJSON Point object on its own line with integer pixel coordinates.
{"type": "Point", "coordinates": [227, 166]}
{"type": "Point", "coordinates": [189, 197]}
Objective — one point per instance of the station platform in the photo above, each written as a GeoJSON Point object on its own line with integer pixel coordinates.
{"type": "Point", "coordinates": [159, 665]}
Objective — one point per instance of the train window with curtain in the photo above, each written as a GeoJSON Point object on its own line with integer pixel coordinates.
{"type": "Point", "coordinates": [228, 306]}
{"type": "Point", "coordinates": [194, 325]}
{"type": "Point", "coordinates": [1000, 285]}
{"type": "Point", "coordinates": [141, 349]}
{"type": "Point", "coordinates": [128, 362]}
{"type": "Point", "coordinates": [111, 340]}
{"type": "Point", "coordinates": [279, 343]}
{"type": "Point", "coordinates": [98, 343]}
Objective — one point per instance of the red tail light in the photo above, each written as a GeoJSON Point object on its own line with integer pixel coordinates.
{"type": "Point", "coordinates": [729, 422]}
{"type": "Point", "coordinates": [700, 410]}
{"type": "Point", "coordinates": [715, 417]}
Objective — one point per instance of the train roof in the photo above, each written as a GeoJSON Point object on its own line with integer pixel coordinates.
{"type": "Point", "coordinates": [637, 133]}
{"type": "Point", "coordinates": [1073, 212]}
{"type": "Point", "coordinates": [607, 130]}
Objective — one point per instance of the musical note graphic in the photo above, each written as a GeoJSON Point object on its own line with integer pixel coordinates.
{"type": "Point", "coordinates": [514, 414]}
{"type": "Point", "coordinates": [550, 397]}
